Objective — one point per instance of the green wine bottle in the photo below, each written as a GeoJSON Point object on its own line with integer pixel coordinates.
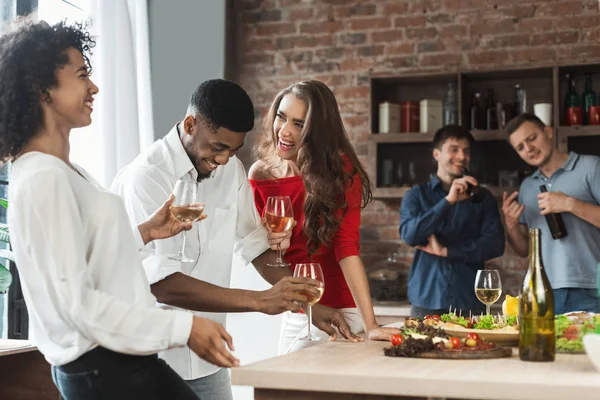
{"type": "Point", "coordinates": [588, 98]}
{"type": "Point", "coordinates": [537, 340]}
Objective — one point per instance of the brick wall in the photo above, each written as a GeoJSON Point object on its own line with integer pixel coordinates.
{"type": "Point", "coordinates": [341, 42]}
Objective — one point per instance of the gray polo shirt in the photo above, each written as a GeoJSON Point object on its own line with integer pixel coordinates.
{"type": "Point", "coordinates": [570, 262]}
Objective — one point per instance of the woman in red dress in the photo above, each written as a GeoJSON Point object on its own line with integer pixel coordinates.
{"type": "Point", "coordinates": [307, 156]}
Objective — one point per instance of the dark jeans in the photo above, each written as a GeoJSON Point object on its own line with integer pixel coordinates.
{"type": "Point", "coordinates": [573, 299]}
{"type": "Point", "coordinates": [101, 374]}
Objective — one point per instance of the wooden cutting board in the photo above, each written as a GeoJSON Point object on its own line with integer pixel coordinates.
{"type": "Point", "coordinates": [496, 352]}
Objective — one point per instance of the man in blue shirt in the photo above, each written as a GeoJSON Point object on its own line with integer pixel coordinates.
{"type": "Point", "coordinates": [453, 235]}
{"type": "Point", "coordinates": [573, 184]}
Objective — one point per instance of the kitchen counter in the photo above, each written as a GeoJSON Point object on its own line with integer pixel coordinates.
{"type": "Point", "coordinates": [24, 372]}
{"type": "Point", "coordinates": [359, 371]}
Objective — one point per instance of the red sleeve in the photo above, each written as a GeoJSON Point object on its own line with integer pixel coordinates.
{"type": "Point", "coordinates": [346, 242]}
{"type": "Point", "coordinates": [259, 198]}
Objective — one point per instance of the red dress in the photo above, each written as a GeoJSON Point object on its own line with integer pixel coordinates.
{"type": "Point", "coordinates": [345, 243]}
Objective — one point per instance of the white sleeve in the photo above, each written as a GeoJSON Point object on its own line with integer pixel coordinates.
{"type": "Point", "coordinates": [251, 235]}
{"type": "Point", "coordinates": [57, 240]}
{"type": "Point", "coordinates": [144, 191]}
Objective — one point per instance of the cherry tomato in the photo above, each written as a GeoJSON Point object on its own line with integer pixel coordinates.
{"type": "Point", "coordinates": [436, 317]}
{"type": "Point", "coordinates": [397, 339]}
{"type": "Point", "coordinates": [473, 336]}
{"type": "Point", "coordinates": [455, 342]}
{"type": "Point", "coordinates": [428, 317]}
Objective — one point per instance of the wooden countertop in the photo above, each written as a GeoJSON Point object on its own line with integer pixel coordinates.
{"type": "Point", "coordinates": [13, 346]}
{"type": "Point", "coordinates": [362, 368]}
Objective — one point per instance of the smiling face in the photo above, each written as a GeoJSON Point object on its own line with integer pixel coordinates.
{"type": "Point", "coordinates": [69, 102]}
{"type": "Point", "coordinates": [453, 158]}
{"type": "Point", "coordinates": [207, 147]}
{"type": "Point", "coordinates": [532, 143]}
{"type": "Point", "coordinates": [288, 126]}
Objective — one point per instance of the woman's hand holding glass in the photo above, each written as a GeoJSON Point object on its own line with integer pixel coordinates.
{"type": "Point", "coordinates": [279, 220]}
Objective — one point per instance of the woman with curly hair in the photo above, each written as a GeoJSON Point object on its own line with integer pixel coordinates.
{"type": "Point", "coordinates": [307, 156]}
{"type": "Point", "coordinates": [91, 311]}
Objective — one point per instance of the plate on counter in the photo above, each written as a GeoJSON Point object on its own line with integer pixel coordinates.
{"type": "Point", "coordinates": [507, 338]}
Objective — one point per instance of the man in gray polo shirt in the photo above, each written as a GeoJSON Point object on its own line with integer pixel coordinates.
{"type": "Point", "coordinates": [573, 183]}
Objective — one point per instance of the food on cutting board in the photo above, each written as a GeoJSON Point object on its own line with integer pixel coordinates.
{"type": "Point", "coordinates": [570, 329]}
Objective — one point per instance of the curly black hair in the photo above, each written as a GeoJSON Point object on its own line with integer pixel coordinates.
{"type": "Point", "coordinates": [30, 54]}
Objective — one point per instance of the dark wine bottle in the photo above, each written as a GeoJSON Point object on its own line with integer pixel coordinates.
{"type": "Point", "coordinates": [537, 339]}
{"type": "Point", "coordinates": [474, 192]}
{"type": "Point", "coordinates": [555, 221]}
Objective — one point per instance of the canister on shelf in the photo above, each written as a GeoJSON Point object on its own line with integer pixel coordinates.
{"type": "Point", "coordinates": [389, 117]}
{"type": "Point", "coordinates": [430, 115]}
{"type": "Point", "coordinates": [410, 117]}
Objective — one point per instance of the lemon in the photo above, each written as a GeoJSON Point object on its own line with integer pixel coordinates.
{"type": "Point", "coordinates": [510, 306]}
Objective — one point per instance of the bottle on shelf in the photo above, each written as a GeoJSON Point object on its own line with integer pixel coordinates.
{"type": "Point", "coordinates": [537, 339]}
{"type": "Point", "coordinates": [450, 107]}
{"type": "Point", "coordinates": [491, 116]}
{"type": "Point", "coordinates": [520, 100]}
{"type": "Point", "coordinates": [588, 98]}
{"type": "Point", "coordinates": [475, 112]}
{"type": "Point", "coordinates": [573, 110]}
{"type": "Point", "coordinates": [556, 224]}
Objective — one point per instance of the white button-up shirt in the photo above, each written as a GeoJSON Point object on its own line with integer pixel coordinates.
{"type": "Point", "coordinates": [80, 270]}
{"type": "Point", "coordinates": [232, 225]}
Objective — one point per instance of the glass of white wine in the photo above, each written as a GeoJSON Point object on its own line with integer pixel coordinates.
{"type": "Point", "coordinates": [185, 208]}
{"type": "Point", "coordinates": [313, 271]}
{"type": "Point", "coordinates": [279, 217]}
{"type": "Point", "coordinates": [488, 287]}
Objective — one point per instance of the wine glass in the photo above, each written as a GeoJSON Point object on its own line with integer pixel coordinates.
{"type": "Point", "coordinates": [185, 208]}
{"type": "Point", "coordinates": [313, 271]}
{"type": "Point", "coordinates": [279, 216]}
{"type": "Point", "coordinates": [488, 287]}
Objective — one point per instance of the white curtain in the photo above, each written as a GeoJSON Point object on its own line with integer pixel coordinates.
{"type": "Point", "coordinates": [122, 116]}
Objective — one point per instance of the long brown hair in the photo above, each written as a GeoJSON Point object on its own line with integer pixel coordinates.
{"type": "Point", "coordinates": [324, 142]}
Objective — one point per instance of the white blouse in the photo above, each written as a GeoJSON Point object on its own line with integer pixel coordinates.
{"type": "Point", "coordinates": [80, 270]}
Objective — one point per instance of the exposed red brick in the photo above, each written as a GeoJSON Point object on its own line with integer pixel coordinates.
{"type": "Point", "coordinates": [526, 56]}
{"type": "Point", "coordinates": [321, 27]}
{"type": "Point", "coordinates": [370, 51]}
{"type": "Point", "coordinates": [487, 58]}
{"type": "Point", "coordinates": [556, 8]}
{"type": "Point", "coordinates": [357, 120]}
{"type": "Point", "coordinates": [578, 22]}
{"type": "Point", "coordinates": [275, 29]}
{"type": "Point", "coordinates": [379, 218]}
{"type": "Point", "coordinates": [357, 9]}
{"type": "Point", "coordinates": [554, 38]}
{"type": "Point", "coordinates": [464, 4]}
{"type": "Point", "coordinates": [386, 36]}
{"type": "Point", "coordinates": [395, 7]}
{"type": "Point", "coordinates": [353, 92]}
{"type": "Point", "coordinates": [356, 64]}
{"type": "Point", "coordinates": [442, 60]}
{"type": "Point", "coordinates": [492, 27]}
{"type": "Point", "coordinates": [257, 45]}
{"type": "Point", "coordinates": [410, 21]}
{"type": "Point", "coordinates": [259, 58]}
{"type": "Point", "coordinates": [300, 14]}
{"type": "Point", "coordinates": [534, 25]}
{"type": "Point", "coordinates": [370, 23]}
{"type": "Point", "coordinates": [301, 41]}
{"type": "Point", "coordinates": [519, 11]}
{"type": "Point", "coordinates": [452, 30]}
{"type": "Point", "coordinates": [421, 33]}
{"type": "Point", "coordinates": [516, 40]}
{"type": "Point", "coordinates": [424, 6]}
{"type": "Point", "coordinates": [402, 48]}
{"type": "Point", "coordinates": [404, 62]}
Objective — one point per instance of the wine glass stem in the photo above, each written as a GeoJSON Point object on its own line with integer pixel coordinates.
{"type": "Point", "coordinates": [181, 251]}
{"type": "Point", "coordinates": [279, 259]}
{"type": "Point", "coordinates": [309, 322]}
{"type": "Point", "coordinates": [487, 309]}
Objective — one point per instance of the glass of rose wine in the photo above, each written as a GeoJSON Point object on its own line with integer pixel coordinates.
{"type": "Point", "coordinates": [488, 287]}
{"type": "Point", "coordinates": [279, 217]}
{"type": "Point", "coordinates": [185, 208]}
{"type": "Point", "coordinates": [313, 271]}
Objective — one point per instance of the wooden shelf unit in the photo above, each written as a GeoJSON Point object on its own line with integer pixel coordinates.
{"type": "Point", "coordinates": [545, 84]}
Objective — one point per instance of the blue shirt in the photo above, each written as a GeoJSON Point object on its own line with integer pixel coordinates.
{"type": "Point", "coordinates": [472, 232]}
{"type": "Point", "coordinates": [570, 262]}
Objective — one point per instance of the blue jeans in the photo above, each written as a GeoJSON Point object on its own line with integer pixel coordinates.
{"type": "Point", "coordinates": [213, 387]}
{"type": "Point", "coordinates": [102, 374]}
{"type": "Point", "coordinates": [575, 299]}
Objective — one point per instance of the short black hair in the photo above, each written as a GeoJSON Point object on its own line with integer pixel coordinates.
{"type": "Point", "coordinates": [519, 120]}
{"type": "Point", "coordinates": [451, 131]}
{"type": "Point", "coordinates": [30, 54]}
{"type": "Point", "coordinates": [225, 104]}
